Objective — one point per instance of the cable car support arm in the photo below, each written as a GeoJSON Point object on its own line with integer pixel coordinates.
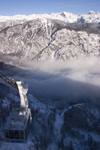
{"type": "Point", "coordinates": [10, 81]}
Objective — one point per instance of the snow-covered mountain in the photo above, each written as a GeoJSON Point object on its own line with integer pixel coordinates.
{"type": "Point", "coordinates": [54, 129]}
{"type": "Point", "coordinates": [64, 16]}
{"type": "Point", "coordinates": [74, 127]}
{"type": "Point", "coordinates": [70, 118]}
{"type": "Point", "coordinates": [59, 36]}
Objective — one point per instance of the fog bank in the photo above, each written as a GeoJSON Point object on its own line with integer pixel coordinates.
{"type": "Point", "coordinates": [60, 82]}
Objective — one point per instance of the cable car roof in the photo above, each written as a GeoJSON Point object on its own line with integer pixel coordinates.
{"type": "Point", "coordinates": [17, 121]}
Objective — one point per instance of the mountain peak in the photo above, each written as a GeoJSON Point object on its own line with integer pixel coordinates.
{"type": "Point", "coordinates": [93, 12]}
{"type": "Point", "coordinates": [64, 16]}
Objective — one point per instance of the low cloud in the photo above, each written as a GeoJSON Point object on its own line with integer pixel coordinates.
{"type": "Point", "coordinates": [62, 82]}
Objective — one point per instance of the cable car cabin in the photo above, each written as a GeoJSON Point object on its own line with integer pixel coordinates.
{"type": "Point", "coordinates": [17, 125]}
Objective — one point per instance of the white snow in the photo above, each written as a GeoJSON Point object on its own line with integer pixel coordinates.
{"type": "Point", "coordinates": [58, 124]}
{"type": "Point", "coordinates": [22, 92]}
{"type": "Point", "coordinates": [64, 16]}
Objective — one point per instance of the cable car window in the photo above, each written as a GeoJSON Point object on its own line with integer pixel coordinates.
{"type": "Point", "coordinates": [11, 134]}
{"type": "Point", "coordinates": [7, 133]}
{"type": "Point", "coordinates": [28, 124]}
{"type": "Point", "coordinates": [22, 134]}
{"type": "Point", "coordinates": [17, 134]}
{"type": "Point", "coordinates": [26, 133]}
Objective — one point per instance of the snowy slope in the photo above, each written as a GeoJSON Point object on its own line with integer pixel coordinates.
{"type": "Point", "coordinates": [43, 39]}
{"type": "Point", "coordinates": [75, 126]}
{"type": "Point", "coordinates": [60, 36]}
{"type": "Point", "coordinates": [64, 16]}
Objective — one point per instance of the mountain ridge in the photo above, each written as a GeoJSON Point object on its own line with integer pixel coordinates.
{"type": "Point", "coordinates": [38, 40]}
{"type": "Point", "coordinates": [75, 126]}
{"type": "Point", "coordinates": [64, 16]}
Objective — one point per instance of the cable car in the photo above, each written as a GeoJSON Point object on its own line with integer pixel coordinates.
{"type": "Point", "coordinates": [17, 126]}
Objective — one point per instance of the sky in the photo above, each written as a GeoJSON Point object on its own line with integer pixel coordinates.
{"type": "Point", "coordinates": [28, 7]}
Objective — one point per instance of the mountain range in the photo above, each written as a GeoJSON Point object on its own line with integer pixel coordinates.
{"type": "Point", "coordinates": [58, 56]}
{"type": "Point", "coordinates": [59, 36]}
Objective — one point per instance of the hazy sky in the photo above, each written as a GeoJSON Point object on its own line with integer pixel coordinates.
{"type": "Point", "coordinates": [28, 7]}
